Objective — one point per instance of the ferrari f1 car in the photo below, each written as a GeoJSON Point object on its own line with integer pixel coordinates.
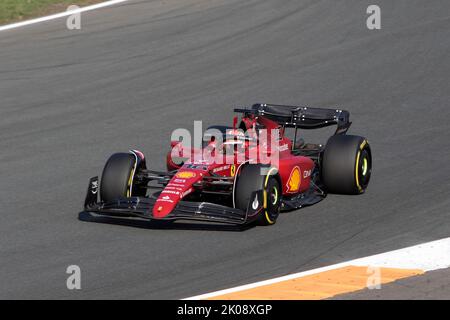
{"type": "Point", "coordinates": [227, 179]}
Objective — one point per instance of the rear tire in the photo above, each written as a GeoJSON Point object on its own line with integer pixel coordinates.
{"type": "Point", "coordinates": [346, 164]}
{"type": "Point", "coordinates": [117, 177]}
{"type": "Point", "coordinates": [251, 180]}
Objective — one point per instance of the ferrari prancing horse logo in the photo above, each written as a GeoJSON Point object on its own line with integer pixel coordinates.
{"type": "Point", "coordinates": [294, 180]}
{"type": "Point", "coordinates": [233, 170]}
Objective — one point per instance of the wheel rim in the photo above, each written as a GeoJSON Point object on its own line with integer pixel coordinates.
{"type": "Point", "coordinates": [274, 195]}
{"type": "Point", "coordinates": [365, 168]}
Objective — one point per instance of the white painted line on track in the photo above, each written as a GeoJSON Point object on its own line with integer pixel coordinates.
{"type": "Point", "coordinates": [61, 15]}
{"type": "Point", "coordinates": [426, 256]}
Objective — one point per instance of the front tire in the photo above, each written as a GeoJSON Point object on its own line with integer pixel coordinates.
{"type": "Point", "coordinates": [346, 164]}
{"type": "Point", "coordinates": [250, 180]}
{"type": "Point", "coordinates": [117, 177]}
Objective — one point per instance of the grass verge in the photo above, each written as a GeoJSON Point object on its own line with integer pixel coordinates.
{"type": "Point", "coordinates": [17, 10]}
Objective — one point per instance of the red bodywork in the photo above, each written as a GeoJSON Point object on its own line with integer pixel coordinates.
{"type": "Point", "coordinates": [294, 171]}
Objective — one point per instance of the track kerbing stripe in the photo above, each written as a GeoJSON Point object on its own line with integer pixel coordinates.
{"type": "Point", "coordinates": [316, 283]}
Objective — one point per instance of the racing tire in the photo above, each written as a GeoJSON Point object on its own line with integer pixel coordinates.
{"type": "Point", "coordinates": [117, 177]}
{"type": "Point", "coordinates": [250, 180]}
{"type": "Point", "coordinates": [346, 164]}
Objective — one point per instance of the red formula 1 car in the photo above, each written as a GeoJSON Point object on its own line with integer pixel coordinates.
{"type": "Point", "coordinates": [241, 174]}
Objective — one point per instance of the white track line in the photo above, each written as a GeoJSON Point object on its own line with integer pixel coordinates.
{"type": "Point", "coordinates": [427, 256]}
{"type": "Point", "coordinates": [61, 15]}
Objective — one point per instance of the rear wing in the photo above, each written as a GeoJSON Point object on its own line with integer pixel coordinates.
{"type": "Point", "coordinates": [301, 117]}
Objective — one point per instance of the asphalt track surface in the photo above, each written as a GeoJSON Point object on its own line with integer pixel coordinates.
{"type": "Point", "coordinates": [137, 71]}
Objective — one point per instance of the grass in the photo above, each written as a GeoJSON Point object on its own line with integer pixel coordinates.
{"type": "Point", "coordinates": [16, 10]}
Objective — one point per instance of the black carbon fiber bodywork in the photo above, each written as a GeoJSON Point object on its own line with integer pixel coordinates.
{"type": "Point", "coordinates": [142, 207]}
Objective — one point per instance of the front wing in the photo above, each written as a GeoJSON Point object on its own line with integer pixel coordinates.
{"type": "Point", "coordinates": [142, 207]}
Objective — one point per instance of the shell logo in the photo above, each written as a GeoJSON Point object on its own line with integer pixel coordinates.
{"type": "Point", "coordinates": [186, 175]}
{"type": "Point", "coordinates": [294, 180]}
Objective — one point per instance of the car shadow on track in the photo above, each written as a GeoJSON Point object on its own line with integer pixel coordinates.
{"type": "Point", "coordinates": [160, 225]}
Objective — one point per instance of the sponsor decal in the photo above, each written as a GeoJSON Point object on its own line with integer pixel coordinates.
{"type": "Point", "coordinates": [196, 166]}
{"type": "Point", "coordinates": [283, 147]}
{"type": "Point", "coordinates": [294, 180]}
{"type": "Point", "coordinates": [94, 187]}
{"type": "Point", "coordinates": [165, 199]}
{"type": "Point", "coordinates": [170, 192]}
{"type": "Point", "coordinates": [233, 170]}
{"type": "Point", "coordinates": [186, 175]}
{"type": "Point", "coordinates": [179, 181]}
{"type": "Point", "coordinates": [173, 188]}
{"type": "Point", "coordinates": [255, 203]}
{"type": "Point", "coordinates": [222, 168]}
{"type": "Point", "coordinates": [306, 174]}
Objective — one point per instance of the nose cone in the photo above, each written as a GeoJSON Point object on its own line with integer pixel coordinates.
{"type": "Point", "coordinates": [164, 206]}
{"type": "Point", "coordinates": [178, 187]}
